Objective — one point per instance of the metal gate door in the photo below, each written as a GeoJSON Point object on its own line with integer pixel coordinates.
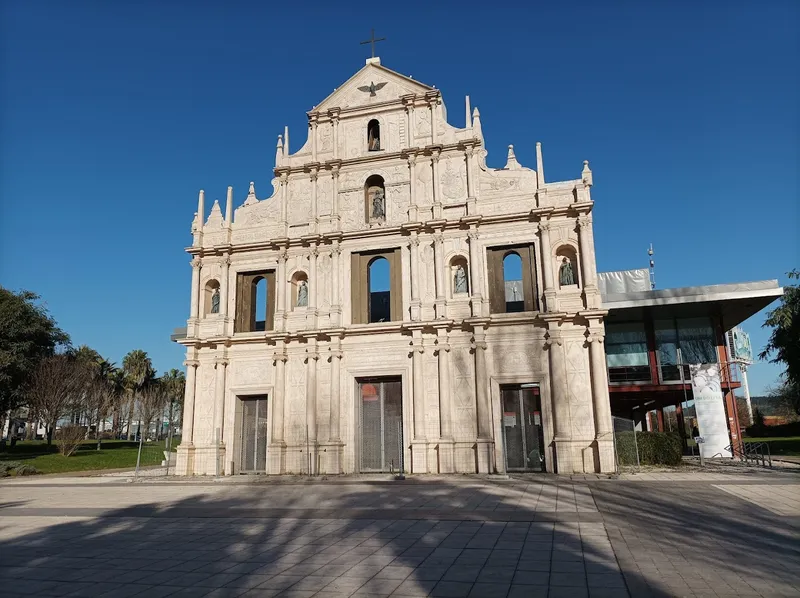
{"type": "Point", "coordinates": [253, 458]}
{"type": "Point", "coordinates": [522, 428]}
{"type": "Point", "coordinates": [381, 424]}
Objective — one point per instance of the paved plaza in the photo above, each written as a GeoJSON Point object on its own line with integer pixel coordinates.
{"type": "Point", "coordinates": [657, 535]}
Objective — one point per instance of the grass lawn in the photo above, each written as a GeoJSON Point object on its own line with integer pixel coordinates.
{"type": "Point", "coordinates": [114, 454]}
{"type": "Point", "coordinates": [788, 445]}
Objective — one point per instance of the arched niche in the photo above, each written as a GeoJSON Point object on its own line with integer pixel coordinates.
{"type": "Point", "coordinates": [374, 135]}
{"type": "Point", "coordinates": [458, 276]}
{"type": "Point", "coordinates": [375, 199]}
{"type": "Point", "coordinates": [379, 288]}
{"type": "Point", "coordinates": [212, 301]}
{"type": "Point", "coordinates": [300, 289]}
{"type": "Point", "coordinates": [566, 267]}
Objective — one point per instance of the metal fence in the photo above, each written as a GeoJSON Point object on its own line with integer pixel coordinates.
{"type": "Point", "coordinates": [626, 447]}
{"type": "Point", "coordinates": [156, 458]}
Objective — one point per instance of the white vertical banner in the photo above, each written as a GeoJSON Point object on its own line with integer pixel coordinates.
{"type": "Point", "coordinates": [709, 405]}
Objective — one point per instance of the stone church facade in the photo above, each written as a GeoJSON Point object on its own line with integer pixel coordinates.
{"type": "Point", "coordinates": [396, 303]}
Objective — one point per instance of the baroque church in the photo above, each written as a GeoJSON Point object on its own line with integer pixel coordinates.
{"type": "Point", "coordinates": [395, 304]}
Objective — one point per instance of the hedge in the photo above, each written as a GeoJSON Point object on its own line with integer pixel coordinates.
{"type": "Point", "coordinates": [655, 448]}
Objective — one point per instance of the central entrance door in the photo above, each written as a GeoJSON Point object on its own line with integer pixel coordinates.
{"type": "Point", "coordinates": [522, 428]}
{"type": "Point", "coordinates": [381, 418]}
{"type": "Point", "coordinates": [253, 457]}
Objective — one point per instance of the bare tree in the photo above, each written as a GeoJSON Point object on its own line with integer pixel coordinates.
{"type": "Point", "coordinates": [152, 401]}
{"type": "Point", "coordinates": [56, 386]}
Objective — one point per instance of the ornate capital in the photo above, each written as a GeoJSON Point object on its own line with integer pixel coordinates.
{"type": "Point", "coordinates": [337, 354]}
{"type": "Point", "coordinates": [584, 220]}
{"type": "Point", "coordinates": [313, 176]}
{"type": "Point", "coordinates": [553, 340]}
{"type": "Point", "coordinates": [312, 355]}
{"type": "Point", "coordinates": [544, 227]}
{"type": "Point", "coordinates": [414, 241]}
{"type": "Point", "coordinates": [314, 253]}
{"type": "Point", "coordinates": [223, 361]}
{"type": "Point", "coordinates": [283, 255]}
{"type": "Point", "coordinates": [473, 235]}
{"type": "Point", "coordinates": [595, 336]}
{"type": "Point", "coordinates": [438, 238]}
{"type": "Point", "coordinates": [276, 357]}
{"type": "Point", "coordinates": [442, 347]}
{"type": "Point", "coordinates": [191, 363]}
{"type": "Point", "coordinates": [469, 151]}
{"type": "Point", "coordinates": [196, 262]}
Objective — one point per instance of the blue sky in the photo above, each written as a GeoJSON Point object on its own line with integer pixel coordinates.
{"type": "Point", "coordinates": [114, 115]}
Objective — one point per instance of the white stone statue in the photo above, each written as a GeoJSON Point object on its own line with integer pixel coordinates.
{"type": "Point", "coordinates": [302, 294]}
{"type": "Point", "coordinates": [566, 276]}
{"type": "Point", "coordinates": [378, 211]}
{"type": "Point", "coordinates": [215, 301]}
{"type": "Point", "coordinates": [460, 280]}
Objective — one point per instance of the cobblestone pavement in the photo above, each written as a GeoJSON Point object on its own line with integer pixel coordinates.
{"type": "Point", "coordinates": [459, 536]}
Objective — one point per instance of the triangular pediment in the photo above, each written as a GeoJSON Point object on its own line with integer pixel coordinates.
{"type": "Point", "coordinates": [373, 84]}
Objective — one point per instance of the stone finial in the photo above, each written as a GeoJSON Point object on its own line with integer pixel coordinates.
{"type": "Point", "coordinates": [586, 174]}
{"type": "Point", "coordinates": [279, 152]}
{"type": "Point", "coordinates": [251, 195]}
{"type": "Point", "coordinates": [286, 140]}
{"type": "Point", "coordinates": [511, 161]}
{"type": "Point", "coordinates": [539, 164]}
{"type": "Point", "coordinates": [201, 206]}
{"type": "Point", "coordinates": [229, 207]}
{"type": "Point", "coordinates": [476, 123]}
{"type": "Point", "coordinates": [468, 120]}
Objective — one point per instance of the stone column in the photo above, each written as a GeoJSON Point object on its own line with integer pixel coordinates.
{"type": "Point", "coordinates": [284, 178]}
{"type": "Point", "coordinates": [604, 427]}
{"type": "Point", "coordinates": [439, 268]}
{"type": "Point", "coordinates": [185, 458]}
{"type": "Point", "coordinates": [437, 188]}
{"type": "Point", "coordinates": [483, 407]}
{"type": "Point", "coordinates": [335, 198]}
{"type": "Point", "coordinates": [336, 306]}
{"type": "Point", "coordinates": [334, 114]}
{"type": "Point", "coordinates": [224, 285]}
{"type": "Point", "coordinates": [280, 291]}
{"type": "Point", "coordinates": [547, 267]}
{"type": "Point", "coordinates": [194, 308]}
{"type": "Point", "coordinates": [472, 192]}
{"type": "Point", "coordinates": [560, 397]}
{"type": "Point", "coordinates": [276, 455]}
{"type": "Point", "coordinates": [188, 401]}
{"type": "Point", "coordinates": [446, 442]}
{"type": "Point", "coordinates": [416, 304]}
{"type": "Point", "coordinates": [475, 278]}
{"type": "Point", "coordinates": [413, 210]}
{"type": "Point", "coordinates": [419, 446]}
{"type": "Point", "coordinates": [334, 437]}
{"type": "Point", "coordinates": [311, 401]}
{"type": "Point", "coordinates": [313, 120]}
{"type": "Point", "coordinates": [314, 212]}
{"type": "Point", "coordinates": [311, 322]}
{"type": "Point", "coordinates": [432, 109]}
{"type": "Point", "coordinates": [220, 365]}
{"type": "Point", "coordinates": [588, 269]}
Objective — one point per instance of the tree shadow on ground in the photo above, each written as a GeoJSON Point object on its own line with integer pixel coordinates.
{"type": "Point", "coordinates": [440, 538]}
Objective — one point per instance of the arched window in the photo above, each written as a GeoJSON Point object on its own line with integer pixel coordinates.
{"type": "Point", "coordinates": [212, 302]}
{"type": "Point", "coordinates": [379, 285]}
{"type": "Point", "coordinates": [373, 135]}
{"type": "Point", "coordinates": [512, 282]}
{"type": "Point", "coordinates": [375, 199]}
{"type": "Point", "coordinates": [260, 302]}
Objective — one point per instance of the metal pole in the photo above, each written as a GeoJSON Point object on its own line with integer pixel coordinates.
{"type": "Point", "coordinates": [746, 387]}
{"type": "Point", "coordinates": [401, 473]}
{"type": "Point", "coordinates": [138, 457]}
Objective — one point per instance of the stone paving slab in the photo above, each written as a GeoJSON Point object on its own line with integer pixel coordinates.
{"type": "Point", "coordinates": [474, 538]}
{"type": "Point", "coordinates": [778, 498]}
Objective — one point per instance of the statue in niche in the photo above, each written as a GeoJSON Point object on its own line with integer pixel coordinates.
{"type": "Point", "coordinates": [460, 280]}
{"type": "Point", "coordinates": [378, 204]}
{"type": "Point", "coordinates": [566, 275]}
{"type": "Point", "coordinates": [302, 294]}
{"type": "Point", "coordinates": [215, 301]}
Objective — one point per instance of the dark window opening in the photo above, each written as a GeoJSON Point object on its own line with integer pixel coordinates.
{"type": "Point", "coordinates": [379, 290]}
{"type": "Point", "coordinates": [373, 136]}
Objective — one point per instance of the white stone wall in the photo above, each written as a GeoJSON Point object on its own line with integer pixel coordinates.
{"type": "Point", "coordinates": [442, 203]}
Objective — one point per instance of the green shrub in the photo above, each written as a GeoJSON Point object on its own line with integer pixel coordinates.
{"type": "Point", "coordinates": [26, 470]}
{"type": "Point", "coordinates": [655, 448]}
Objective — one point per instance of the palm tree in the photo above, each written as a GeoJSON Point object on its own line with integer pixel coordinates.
{"type": "Point", "coordinates": [174, 382]}
{"type": "Point", "coordinates": [92, 395]}
{"type": "Point", "coordinates": [138, 373]}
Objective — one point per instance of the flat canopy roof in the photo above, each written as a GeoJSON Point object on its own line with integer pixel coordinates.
{"type": "Point", "coordinates": [733, 302]}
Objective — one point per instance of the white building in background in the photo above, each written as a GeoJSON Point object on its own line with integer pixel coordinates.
{"type": "Point", "coordinates": [396, 302]}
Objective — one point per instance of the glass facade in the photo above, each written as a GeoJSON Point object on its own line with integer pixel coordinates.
{"type": "Point", "coordinates": [626, 353]}
{"type": "Point", "coordinates": [683, 341]}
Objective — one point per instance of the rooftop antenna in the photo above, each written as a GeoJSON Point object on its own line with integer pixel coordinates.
{"type": "Point", "coordinates": [650, 253]}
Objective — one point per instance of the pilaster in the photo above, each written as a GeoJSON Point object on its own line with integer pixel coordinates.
{"type": "Point", "coordinates": [446, 441]}
{"type": "Point", "coordinates": [419, 445]}
{"type": "Point", "coordinates": [416, 304]}
{"type": "Point", "coordinates": [440, 304]}
{"type": "Point", "coordinates": [547, 266]}
{"type": "Point", "coordinates": [600, 398]}
{"type": "Point", "coordinates": [312, 356]}
{"type": "Point", "coordinates": [276, 455]}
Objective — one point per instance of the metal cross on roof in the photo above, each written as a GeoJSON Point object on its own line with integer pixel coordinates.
{"type": "Point", "coordinates": [372, 41]}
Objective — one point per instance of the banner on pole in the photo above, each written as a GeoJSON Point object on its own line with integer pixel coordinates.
{"type": "Point", "coordinates": [709, 405]}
